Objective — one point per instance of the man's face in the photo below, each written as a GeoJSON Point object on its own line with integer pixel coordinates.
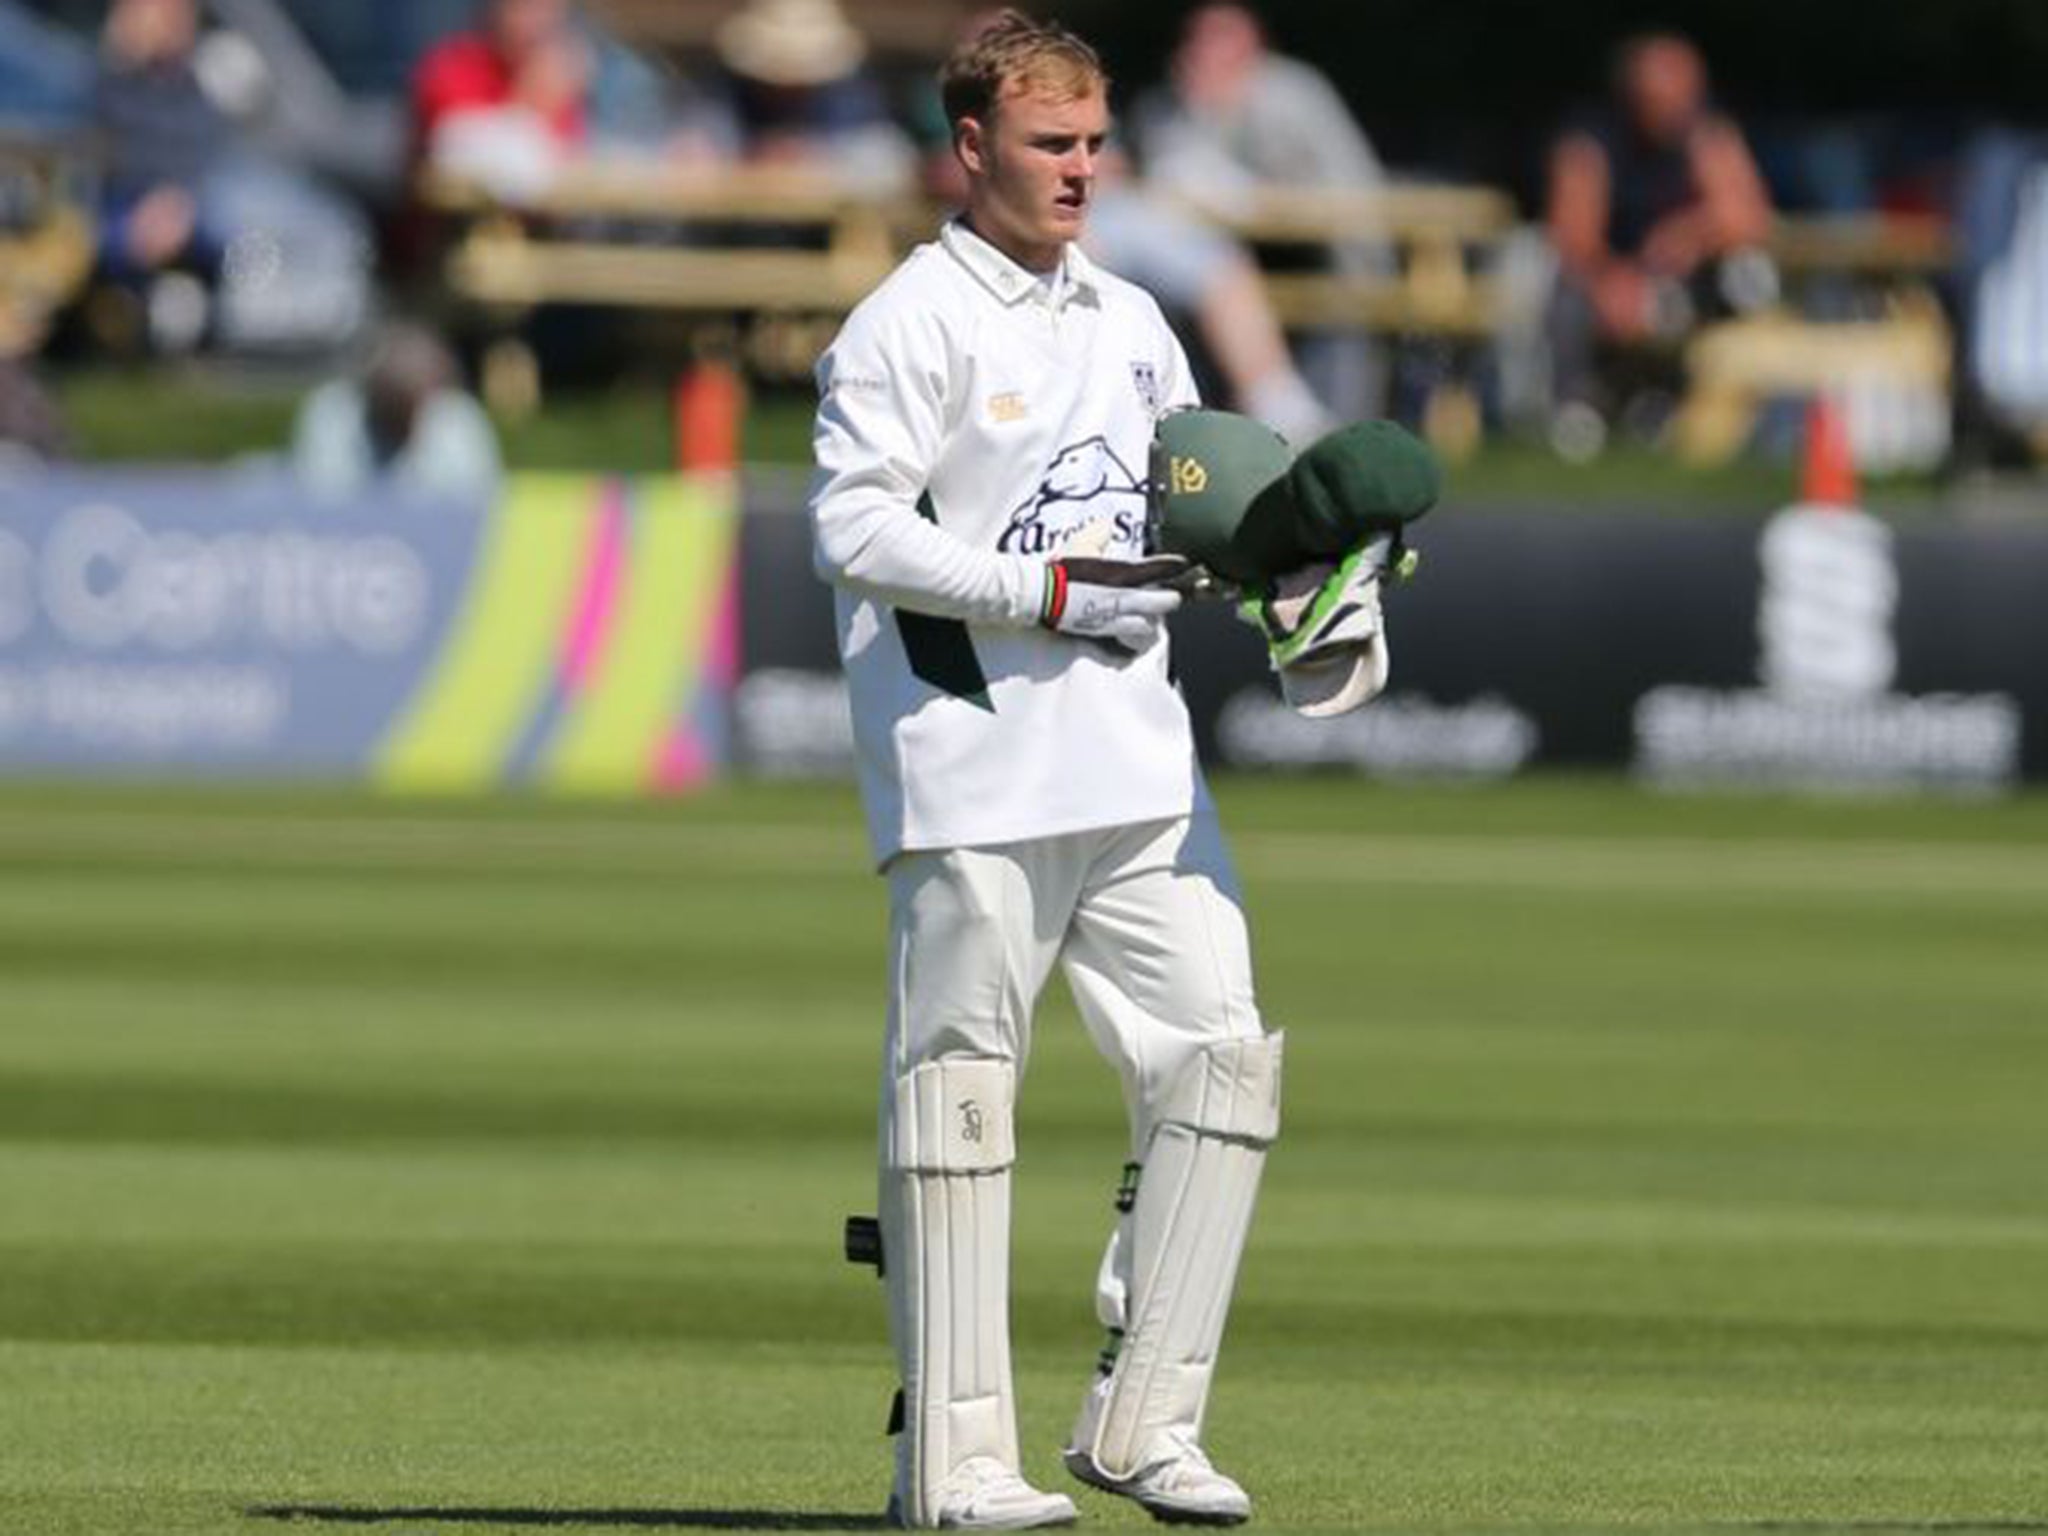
{"type": "Point", "coordinates": [521, 27]}
{"type": "Point", "coordinates": [1221, 49]}
{"type": "Point", "coordinates": [145, 31]}
{"type": "Point", "coordinates": [1665, 87]}
{"type": "Point", "coordinates": [1031, 171]}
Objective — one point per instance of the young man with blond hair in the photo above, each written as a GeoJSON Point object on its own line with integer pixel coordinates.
{"type": "Point", "coordinates": [1033, 798]}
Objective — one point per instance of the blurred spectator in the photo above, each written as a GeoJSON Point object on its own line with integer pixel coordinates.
{"type": "Point", "coordinates": [215, 239]}
{"type": "Point", "coordinates": [1235, 116]}
{"type": "Point", "coordinates": [1199, 272]}
{"type": "Point", "coordinates": [2001, 279]}
{"type": "Point", "coordinates": [163, 134]}
{"type": "Point", "coordinates": [799, 91]}
{"type": "Point", "coordinates": [48, 247]}
{"type": "Point", "coordinates": [404, 422]}
{"type": "Point", "coordinates": [506, 101]}
{"type": "Point", "coordinates": [1655, 211]}
{"type": "Point", "coordinates": [532, 86]}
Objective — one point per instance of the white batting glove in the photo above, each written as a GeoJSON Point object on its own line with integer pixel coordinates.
{"type": "Point", "coordinates": [1119, 603]}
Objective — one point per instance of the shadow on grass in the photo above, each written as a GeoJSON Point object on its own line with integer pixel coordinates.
{"type": "Point", "coordinates": [622, 1519]}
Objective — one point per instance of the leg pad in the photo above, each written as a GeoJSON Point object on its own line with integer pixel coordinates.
{"type": "Point", "coordinates": [945, 1232]}
{"type": "Point", "coordinates": [1172, 1265]}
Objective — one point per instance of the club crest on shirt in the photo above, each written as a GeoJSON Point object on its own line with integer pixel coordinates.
{"type": "Point", "coordinates": [1146, 378]}
{"type": "Point", "coordinates": [1007, 406]}
{"type": "Point", "coordinates": [1085, 483]}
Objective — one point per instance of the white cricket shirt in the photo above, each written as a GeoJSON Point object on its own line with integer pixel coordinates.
{"type": "Point", "coordinates": [973, 418]}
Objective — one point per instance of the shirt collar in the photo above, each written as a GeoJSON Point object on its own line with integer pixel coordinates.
{"type": "Point", "coordinates": [1011, 284]}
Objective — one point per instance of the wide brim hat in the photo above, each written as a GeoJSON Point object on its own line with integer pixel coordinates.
{"type": "Point", "coordinates": [790, 42]}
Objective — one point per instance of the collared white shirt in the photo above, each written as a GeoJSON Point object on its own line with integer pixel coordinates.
{"type": "Point", "coordinates": [972, 420]}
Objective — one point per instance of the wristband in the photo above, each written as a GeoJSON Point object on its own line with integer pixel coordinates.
{"type": "Point", "coordinates": [1055, 606]}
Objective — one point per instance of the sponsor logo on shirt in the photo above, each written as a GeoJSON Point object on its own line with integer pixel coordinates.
{"type": "Point", "coordinates": [1085, 483]}
{"type": "Point", "coordinates": [858, 383]}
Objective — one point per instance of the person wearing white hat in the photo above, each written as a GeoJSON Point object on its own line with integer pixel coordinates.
{"type": "Point", "coordinates": [800, 93]}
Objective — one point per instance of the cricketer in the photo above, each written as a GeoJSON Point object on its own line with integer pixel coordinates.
{"type": "Point", "coordinates": [1033, 798]}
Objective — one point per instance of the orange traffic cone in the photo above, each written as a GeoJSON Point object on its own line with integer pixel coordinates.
{"type": "Point", "coordinates": [1828, 474]}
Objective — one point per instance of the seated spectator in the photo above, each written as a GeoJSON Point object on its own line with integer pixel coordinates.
{"type": "Point", "coordinates": [1197, 271]}
{"type": "Point", "coordinates": [1235, 116]}
{"type": "Point", "coordinates": [213, 238]}
{"type": "Point", "coordinates": [2001, 279]}
{"type": "Point", "coordinates": [531, 87]}
{"type": "Point", "coordinates": [404, 422]}
{"type": "Point", "coordinates": [504, 102]}
{"type": "Point", "coordinates": [1647, 201]}
{"type": "Point", "coordinates": [163, 135]}
{"type": "Point", "coordinates": [799, 93]}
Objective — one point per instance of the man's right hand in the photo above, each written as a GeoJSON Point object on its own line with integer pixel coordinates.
{"type": "Point", "coordinates": [1123, 603]}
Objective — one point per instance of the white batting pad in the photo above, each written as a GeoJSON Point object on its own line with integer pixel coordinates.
{"type": "Point", "coordinates": [945, 1211]}
{"type": "Point", "coordinates": [1173, 1263]}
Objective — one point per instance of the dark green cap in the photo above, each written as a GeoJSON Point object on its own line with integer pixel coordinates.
{"type": "Point", "coordinates": [1357, 482]}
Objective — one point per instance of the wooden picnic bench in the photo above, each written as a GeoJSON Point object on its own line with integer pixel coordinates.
{"type": "Point", "coordinates": [772, 248]}
{"type": "Point", "coordinates": [1899, 341]}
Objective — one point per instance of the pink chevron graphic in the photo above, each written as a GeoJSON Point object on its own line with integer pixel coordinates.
{"type": "Point", "coordinates": [604, 563]}
{"type": "Point", "coordinates": [682, 763]}
{"type": "Point", "coordinates": [722, 655]}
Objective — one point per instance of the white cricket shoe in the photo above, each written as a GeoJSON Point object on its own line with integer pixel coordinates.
{"type": "Point", "coordinates": [1183, 1490]}
{"type": "Point", "coordinates": [984, 1495]}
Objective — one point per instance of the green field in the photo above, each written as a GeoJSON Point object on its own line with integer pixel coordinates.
{"type": "Point", "coordinates": [1649, 1165]}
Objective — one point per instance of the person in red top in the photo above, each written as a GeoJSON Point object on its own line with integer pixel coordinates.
{"type": "Point", "coordinates": [519, 52]}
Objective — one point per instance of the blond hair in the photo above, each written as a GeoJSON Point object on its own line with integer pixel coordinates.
{"type": "Point", "coordinates": [1016, 52]}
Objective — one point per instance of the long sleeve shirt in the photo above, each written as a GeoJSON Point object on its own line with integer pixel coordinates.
{"type": "Point", "coordinates": [974, 419]}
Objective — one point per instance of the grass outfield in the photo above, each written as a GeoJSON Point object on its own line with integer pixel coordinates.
{"type": "Point", "coordinates": [1649, 1164]}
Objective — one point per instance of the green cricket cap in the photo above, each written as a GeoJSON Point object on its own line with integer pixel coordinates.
{"type": "Point", "coordinates": [1209, 470]}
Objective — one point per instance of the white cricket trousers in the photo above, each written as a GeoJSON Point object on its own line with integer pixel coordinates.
{"type": "Point", "coordinates": [1145, 920]}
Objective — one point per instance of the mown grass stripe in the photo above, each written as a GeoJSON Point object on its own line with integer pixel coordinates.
{"type": "Point", "coordinates": [1870, 870]}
